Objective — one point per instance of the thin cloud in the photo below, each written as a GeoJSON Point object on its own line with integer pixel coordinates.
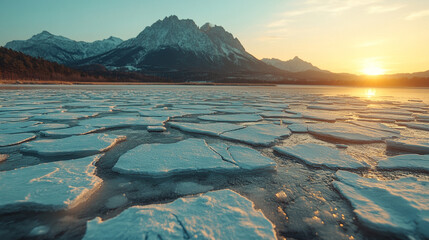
{"type": "Point", "coordinates": [370, 44]}
{"type": "Point", "coordinates": [416, 15]}
{"type": "Point", "coordinates": [329, 6]}
{"type": "Point", "coordinates": [278, 23]}
{"type": "Point", "coordinates": [270, 38]}
{"type": "Point", "coordinates": [384, 9]}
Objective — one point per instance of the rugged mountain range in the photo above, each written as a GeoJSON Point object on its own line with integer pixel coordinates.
{"type": "Point", "coordinates": [61, 49]}
{"type": "Point", "coordinates": [173, 44]}
{"type": "Point", "coordinates": [293, 65]}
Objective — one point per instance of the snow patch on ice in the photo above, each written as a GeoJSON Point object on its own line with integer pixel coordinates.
{"type": "Point", "coordinates": [188, 218]}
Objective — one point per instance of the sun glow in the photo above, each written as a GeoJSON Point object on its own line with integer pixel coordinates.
{"type": "Point", "coordinates": [370, 92]}
{"type": "Point", "coordinates": [372, 67]}
{"type": "Point", "coordinates": [373, 70]}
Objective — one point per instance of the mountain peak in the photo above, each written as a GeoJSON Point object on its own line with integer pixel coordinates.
{"type": "Point", "coordinates": [293, 65]}
{"type": "Point", "coordinates": [43, 35]}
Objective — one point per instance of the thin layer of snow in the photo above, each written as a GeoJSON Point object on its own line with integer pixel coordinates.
{"type": "Point", "coordinates": [276, 114]}
{"type": "Point", "coordinates": [348, 132]}
{"type": "Point", "coordinates": [250, 159]}
{"type": "Point", "coordinates": [398, 207]}
{"type": "Point", "coordinates": [388, 117]}
{"type": "Point", "coordinates": [62, 116]}
{"type": "Point", "coordinates": [213, 129]}
{"type": "Point", "coordinates": [327, 116]}
{"type": "Point", "coordinates": [89, 144]}
{"type": "Point", "coordinates": [232, 118]}
{"type": "Point", "coordinates": [48, 186]}
{"type": "Point", "coordinates": [13, 139]}
{"type": "Point", "coordinates": [388, 112]}
{"type": "Point", "coordinates": [162, 160]}
{"type": "Point", "coordinates": [375, 125]}
{"type": "Point", "coordinates": [77, 130]}
{"type": "Point", "coordinates": [416, 125]}
{"type": "Point", "coordinates": [258, 134]}
{"type": "Point", "coordinates": [410, 145]}
{"type": "Point", "coordinates": [214, 215]}
{"type": "Point", "coordinates": [319, 155]}
{"type": "Point", "coordinates": [298, 128]}
{"type": "Point", "coordinates": [123, 121]}
{"type": "Point", "coordinates": [406, 162]}
{"type": "Point", "coordinates": [173, 113]}
{"type": "Point", "coordinates": [156, 129]}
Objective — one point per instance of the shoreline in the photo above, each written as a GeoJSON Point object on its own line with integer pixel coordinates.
{"type": "Point", "coordinates": [52, 82]}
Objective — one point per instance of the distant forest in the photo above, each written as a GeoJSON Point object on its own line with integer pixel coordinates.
{"type": "Point", "coordinates": [20, 67]}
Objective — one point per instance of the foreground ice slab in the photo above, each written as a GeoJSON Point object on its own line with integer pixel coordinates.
{"type": "Point", "coordinates": [410, 145]}
{"type": "Point", "coordinates": [79, 145]}
{"type": "Point", "coordinates": [220, 214]}
{"type": "Point", "coordinates": [161, 160]}
{"type": "Point", "coordinates": [13, 139]}
{"type": "Point", "coordinates": [396, 207]}
{"type": "Point", "coordinates": [232, 118]}
{"type": "Point", "coordinates": [48, 186]}
{"type": "Point", "coordinates": [319, 155]}
{"type": "Point", "coordinates": [406, 162]}
{"type": "Point", "coordinates": [258, 134]}
{"type": "Point", "coordinates": [349, 132]}
{"type": "Point", "coordinates": [213, 129]}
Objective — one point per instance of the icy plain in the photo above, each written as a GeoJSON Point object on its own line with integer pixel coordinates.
{"type": "Point", "coordinates": [183, 162]}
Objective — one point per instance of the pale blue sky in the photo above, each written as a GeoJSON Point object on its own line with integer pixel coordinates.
{"type": "Point", "coordinates": [337, 35]}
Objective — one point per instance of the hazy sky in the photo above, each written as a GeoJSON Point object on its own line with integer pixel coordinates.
{"type": "Point", "coordinates": [337, 35]}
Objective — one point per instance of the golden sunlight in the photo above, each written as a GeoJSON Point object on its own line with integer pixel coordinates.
{"type": "Point", "coordinates": [373, 70]}
{"type": "Point", "coordinates": [370, 92]}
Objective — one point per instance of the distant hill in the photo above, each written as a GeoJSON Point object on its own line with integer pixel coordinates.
{"type": "Point", "coordinates": [293, 65]}
{"type": "Point", "coordinates": [61, 49]}
{"type": "Point", "coordinates": [18, 66]}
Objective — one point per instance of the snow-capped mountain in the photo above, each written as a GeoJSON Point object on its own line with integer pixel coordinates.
{"type": "Point", "coordinates": [293, 65]}
{"type": "Point", "coordinates": [176, 44]}
{"type": "Point", "coordinates": [61, 49]}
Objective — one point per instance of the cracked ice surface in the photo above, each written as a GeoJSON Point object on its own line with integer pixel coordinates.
{"type": "Point", "coordinates": [319, 155]}
{"type": "Point", "coordinates": [187, 157]}
{"type": "Point", "coordinates": [407, 162]}
{"type": "Point", "coordinates": [258, 134]}
{"type": "Point", "coordinates": [12, 139]}
{"type": "Point", "coordinates": [83, 145]}
{"type": "Point", "coordinates": [397, 206]}
{"type": "Point", "coordinates": [214, 215]}
{"type": "Point", "coordinates": [48, 186]}
{"type": "Point", "coordinates": [232, 118]}
{"type": "Point", "coordinates": [349, 132]}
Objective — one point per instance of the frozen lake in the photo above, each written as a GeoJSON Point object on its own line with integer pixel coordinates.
{"type": "Point", "coordinates": [232, 162]}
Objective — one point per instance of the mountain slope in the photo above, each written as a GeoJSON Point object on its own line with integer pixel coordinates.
{"type": "Point", "coordinates": [61, 49]}
{"type": "Point", "coordinates": [293, 65]}
{"type": "Point", "coordinates": [175, 45]}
